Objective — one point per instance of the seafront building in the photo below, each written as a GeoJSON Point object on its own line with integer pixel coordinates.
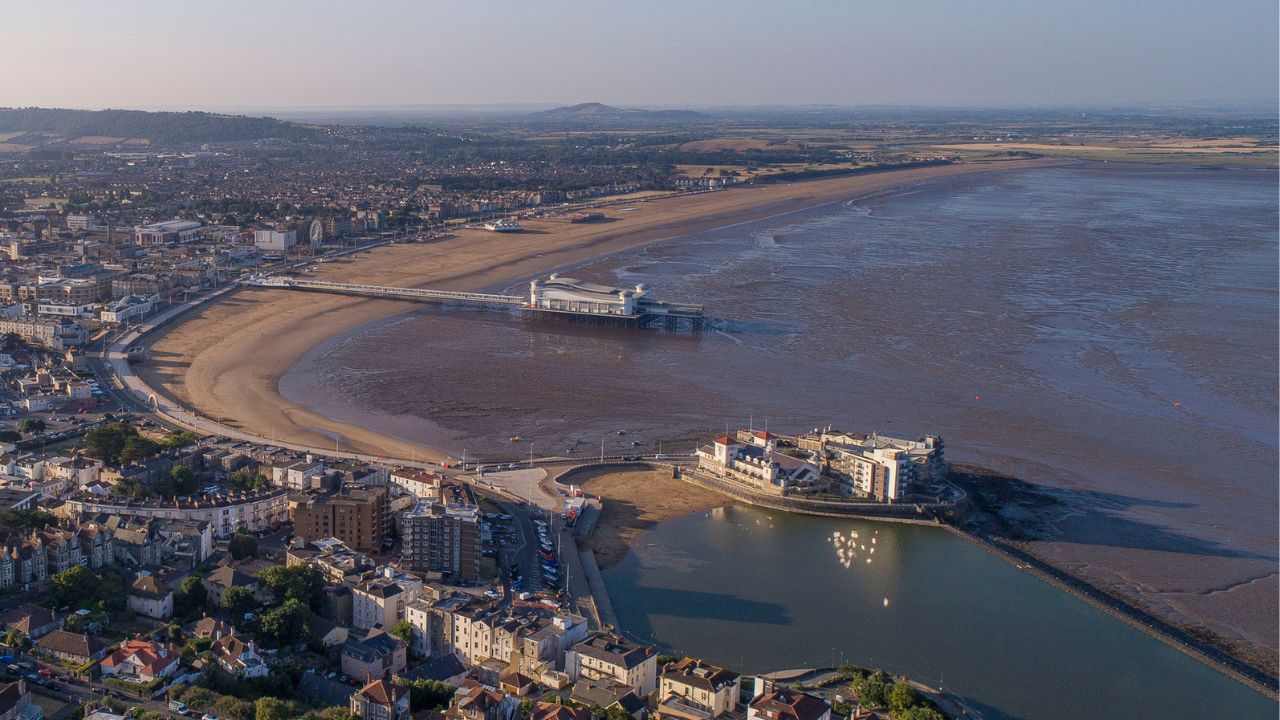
{"type": "Point", "coordinates": [873, 467]}
{"type": "Point", "coordinates": [758, 465]}
{"type": "Point", "coordinates": [880, 467]}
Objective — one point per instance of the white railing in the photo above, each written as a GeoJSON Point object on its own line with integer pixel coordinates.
{"type": "Point", "coordinates": [388, 292]}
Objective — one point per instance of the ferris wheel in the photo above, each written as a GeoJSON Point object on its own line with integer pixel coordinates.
{"type": "Point", "coordinates": [317, 232]}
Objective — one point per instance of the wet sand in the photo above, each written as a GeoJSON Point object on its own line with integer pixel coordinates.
{"type": "Point", "coordinates": [226, 360]}
{"type": "Point", "coordinates": [635, 500]}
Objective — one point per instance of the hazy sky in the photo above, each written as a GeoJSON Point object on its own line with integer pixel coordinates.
{"type": "Point", "coordinates": [274, 54]}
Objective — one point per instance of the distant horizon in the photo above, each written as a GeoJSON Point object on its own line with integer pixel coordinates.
{"type": "Point", "coordinates": [910, 53]}
{"type": "Point", "coordinates": [1202, 105]}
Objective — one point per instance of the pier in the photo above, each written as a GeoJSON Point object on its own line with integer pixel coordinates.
{"type": "Point", "coordinates": [552, 297]}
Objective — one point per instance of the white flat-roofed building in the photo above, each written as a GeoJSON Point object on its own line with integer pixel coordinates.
{"type": "Point", "coordinates": [564, 294]}
{"type": "Point", "coordinates": [172, 232]}
{"type": "Point", "coordinates": [275, 241]}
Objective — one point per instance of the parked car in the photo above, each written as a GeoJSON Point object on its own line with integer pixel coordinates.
{"type": "Point", "coordinates": [178, 707]}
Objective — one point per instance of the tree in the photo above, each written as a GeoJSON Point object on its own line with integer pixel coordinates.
{"type": "Point", "coordinates": [270, 708]}
{"type": "Point", "coordinates": [237, 601]}
{"type": "Point", "coordinates": [130, 487]}
{"type": "Point", "coordinates": [12, 341]}
{"type": "Point", "coordinates": [287, 624]}
{"type": "Point", "coordinates": [233, 708]}
{"type": "Point", "coordinates": [22, 522]}
{"type": "Point", "coordinates": [180, 483]}
{"type": "Point", "coordinates": [107, 442]}
{"type": "Point", "coordinates": [191, 597]}
{"type": "Point", "coordinates": [10, 436]}
{"type": "Point", "coordinates": [404, 631]}
{"type": "Point", "coordinates": [902, 696]}
{"type": "Point", "coordinates": [138, 448]}
{"type": "Point", "coordinates": [181, 439]}
{"type": "Point", "coordinates": [919, 712]}
{"type": "Point", "coordinates": [32, 426]}
{"type": "Point", "coordinates": [247, 481]}
{"type": "Point", "coordinates": [242, 545]}
{"type": "Point", "coordinates": [874, 692]}
{"type": "Point", "coordinates": [300, 582]}
{"type": "Point", "coordinates": [427, 694]}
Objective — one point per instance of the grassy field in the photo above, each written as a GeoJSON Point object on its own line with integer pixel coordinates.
{"type": "Point", "coordinates": [1235, 151]}
{"type": "Point", "coordinates": [40, 201]}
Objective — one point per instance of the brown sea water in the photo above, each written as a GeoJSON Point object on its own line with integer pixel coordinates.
{"type": "Point", "coordinates": [1110, 331]}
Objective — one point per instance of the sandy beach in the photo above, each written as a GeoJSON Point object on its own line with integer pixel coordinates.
{"type": "Point", "coordinates": [635, 500]}
{"type": "Point", "coordinates": [226, 360]}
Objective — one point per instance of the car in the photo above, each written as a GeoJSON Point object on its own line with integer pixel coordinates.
{"type": "Point", "coordinates": [207, 716]}
{"type": "Point", "coordinates": [179, 707]}
{"type": "Point", "coordinates": [53, 685]}
{"type": "Point", "coordinates": [34, 678]}
{"type": "Point", "coordinates": [45, 672]}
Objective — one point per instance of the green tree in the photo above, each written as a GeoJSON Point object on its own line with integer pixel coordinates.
{"type": "Point", "coordinates": [181, 439]}
{"type": "Point", "coordinates": [919, 712]}
{"type": "Point", "coordinates": [270, 708]}
{"type": "Point", "coordinates": [181, 482]}
{"type": "Point", "coordinates": [10, 436]}
{"type": "Point", "coordinates": [404, 631]}
{"type": "Point", "coordinates": [237, 601]}
{"type": "Point", "coordinates": [230, 707]}
{"type": "Point", "coordinates": [902, 696]}
{"type": "Point", "coordinates": [32, 426]}
{"type": "Point", "coordinates": [300, 582]}
{"type": "Point", "coordinates": [191, 597]}
{"type": "Point", "coordinates": [247, 481]}
{"type": "Point", "coordinates": [138, 448]}
{"type": "Point", "coordinates": [130, 487]}
{"type": "Point", "coordinates": [242, 545]}
{"type": "Point", "coordinates": [427, 694]}
{"type": "Point", "coordinates": [874, 693]}
{"type": "Point", "coordinates": [12, 341]}
{"type": "Point", "coordinates": [107, 442]}
{"type": "Point", "coordinates": [22, 522]}
{"type": "Point", "coordinates": [287, 624]}
{"type": "Point", "coordinates": [76, 587]}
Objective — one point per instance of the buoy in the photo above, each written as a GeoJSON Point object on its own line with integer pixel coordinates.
{"type": "Point", "coordinates": [977, 397]}
{"type": "Point", "coordinates": [1177, 405]}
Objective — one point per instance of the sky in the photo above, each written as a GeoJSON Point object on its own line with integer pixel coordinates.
{"type": "Point", "coordinates": [239, 54]}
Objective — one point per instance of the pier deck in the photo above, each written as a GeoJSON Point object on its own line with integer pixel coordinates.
{"type": "Point", "coordinates": [648, 313]}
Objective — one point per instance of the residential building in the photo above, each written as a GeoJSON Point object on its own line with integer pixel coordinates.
{"type": "Point", "coordinates": [16, 704]}
{"type": "Point", "coordinates": [875, 466]}
{"type": "Point", "coordinates": [140, 661]}
{"type": "Point", "coordinates": [603, 656]}
{"type": "Point", "coordinates": [358, 517]}
{"type": "Point", "coordinates": [377, 603]}
{"type": "Point", "coordinates": [381, 700]}
{"type": "Point", "coordinates": [75, 648]}
{"type": "Point", "coordinates": [420, 483]}
{"type": "Point", "coordinates": [225, 514]}
{"type": "Point", "coordinates": [708, 687]}
{"type": "Point", "coordinates": [443, 535]}
{"type": "Point", "coordinates": [555, 711]}
{"type": "Point", "coordinates": [151, 596]}
{"type": "Point", "coordinates": [31, 620]}
{"type": "Point", "coordinates": [238, 657]}
{"type": "Point", "coordinates": [376, 655]}
{"type": "Point", "coordinates": [217, 581]}
{"type": "Point", "coordinates": [788, 704]}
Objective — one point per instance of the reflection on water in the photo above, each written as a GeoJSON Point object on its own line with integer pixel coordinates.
{"type": "Point", "coordinates": [774, 592]}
